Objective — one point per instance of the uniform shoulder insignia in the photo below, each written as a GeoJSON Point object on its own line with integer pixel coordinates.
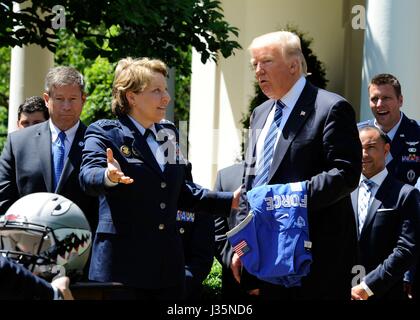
{"type": "Point", "coordinates": [107, 123]}
{"type": "Point", "coordinates": [167, 123]}
{"type": "Point", "coordinates": [365, 123]}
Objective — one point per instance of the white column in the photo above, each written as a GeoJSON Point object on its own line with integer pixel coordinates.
{"type": "Point", "coordinates": [28, 68]}
{"type": "Point", "coordinates": [29, 65]}
{"type": "Point", "coordinates": [392, 45]}
{"type": "Point", "coordinates": [203, 117]}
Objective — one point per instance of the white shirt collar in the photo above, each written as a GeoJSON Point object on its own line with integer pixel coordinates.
{"type": "Point", "coordinates": [377, 179]}
{"type": "Point", "coordinates": [141, 128]}
{"type": "Point", "coordinates": [70, 133]}
{"type": "Point", "coordinates": [391, 133]}
{"type": "Point", "coordinates": [291, 97]}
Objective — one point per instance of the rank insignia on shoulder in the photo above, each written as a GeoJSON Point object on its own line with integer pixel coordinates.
{"type": "Point", "coordinates": [125, 150]}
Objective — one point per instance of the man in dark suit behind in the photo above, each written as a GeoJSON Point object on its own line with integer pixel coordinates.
{"type": "Point", "coordinates": [228, 179]}
{"type": "Point", "coordinates": [26, 163]}
{"type": "Point", "coordinates": [387, 219]}
{"type": "Point", "coordinates": [315, 140]}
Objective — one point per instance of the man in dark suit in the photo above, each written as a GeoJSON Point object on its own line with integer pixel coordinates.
{"type": "Point", "coordinates": [30, 160]}
{"type": "Point", "coordinates": [197, 234]}
{"type": "Point", "coordinates": [228, 179]}
{"type": "Point", "coordinates": [387, 214]}
{"type": "Point", "coordinates": [18, 283]}
{"type": "Point", "coordinates": [303, 133]}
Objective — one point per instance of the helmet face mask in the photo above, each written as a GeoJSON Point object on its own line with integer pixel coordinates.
{"type": "Point", "coordinates": [48, 234]}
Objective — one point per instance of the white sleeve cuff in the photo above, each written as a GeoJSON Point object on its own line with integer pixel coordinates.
{"type": "Point", "coordinates": [366, 288]}
{"type": "Point", "coordinates": [108, 183]}
{"type": "Point", "coordinates": [57, 293]}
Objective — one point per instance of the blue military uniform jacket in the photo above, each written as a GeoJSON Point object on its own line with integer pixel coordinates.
{"type": "Point", "coordinates": [405, 150]}
{"type": "Point", "coordinates": [137, 242]}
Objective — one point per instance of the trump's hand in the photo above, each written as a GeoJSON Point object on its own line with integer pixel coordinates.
{"type": "Point", "coordinates": [236, 267]}
{"type": "Point", "coordinates": [114, 172]}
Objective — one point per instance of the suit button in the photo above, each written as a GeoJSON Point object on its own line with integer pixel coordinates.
{"type": "Point", "coordinates": [161, 226]}
{"type": "Point", "coordinates": [162, 205]}
{"type": "Point", "coordinates": [181, 230]}
{"type": "Point", "coordinates": [163, 185]}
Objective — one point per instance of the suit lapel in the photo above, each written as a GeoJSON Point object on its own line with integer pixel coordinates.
{"type": "Point", "coordinates": [43, 146]}
{"type": "Point", "coordinates": [354, 201]}
{"type": "Point", "coordinates": [74, 158]}
{"type": "Point", "coordinates": [300, 113]}
{"type": "Point", "coordinates": [139, 145]}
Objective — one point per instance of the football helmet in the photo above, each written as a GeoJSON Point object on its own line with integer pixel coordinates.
{"type": "Point", "coordinates": [48, 234]}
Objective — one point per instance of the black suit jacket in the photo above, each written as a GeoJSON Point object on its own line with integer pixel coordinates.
{"type": "Point", "coordinates": [18, 283]}
{"type": "Point", "coordinates": [26, 167]}
{"type": "Point", "coordinates": [388, 240]}
{"type": "Point", "coordinates": [319, 144]}
{"type": "Point", "coordinates": [228, 179]}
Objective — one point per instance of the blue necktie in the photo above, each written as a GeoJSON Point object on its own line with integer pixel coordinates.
{"type": "Point", "coordinates": [365, 192]}
{"type": "Point", "coordinates": [263, 170]}
{"type": "Point", "coordinates": [58, 157]}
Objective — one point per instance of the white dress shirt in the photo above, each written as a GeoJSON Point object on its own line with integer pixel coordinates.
{"type": "Point", "coordinates": [289, 100]}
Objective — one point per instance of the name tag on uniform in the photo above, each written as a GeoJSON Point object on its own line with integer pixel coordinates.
{"type": "Point", "coordinates": [185, 216]}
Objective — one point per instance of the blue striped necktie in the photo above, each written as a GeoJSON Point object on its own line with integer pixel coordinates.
{"type": "Point", "coordinates": [58, 157]}
{"type": "Point", "coordinates": [365, 192]}
{"type": "Point", "coordinates": [263, 170]}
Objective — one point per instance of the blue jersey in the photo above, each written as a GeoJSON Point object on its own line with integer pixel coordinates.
{"type": "Point", "coordinates": [273, 241]}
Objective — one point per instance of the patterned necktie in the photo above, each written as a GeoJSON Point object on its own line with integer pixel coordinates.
{"type": "Point", "coordinates": [365, 192]}
{"type": "Point", "coordinates": [263, 170]}
{"type": "Point", "coordinates": [58, 157]}
{"type": "Point", "coordinates": [148, 133]}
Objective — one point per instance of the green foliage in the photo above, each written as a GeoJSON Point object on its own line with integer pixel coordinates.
{"type": "Point", "coordinates": [120, 28]}
{"type": "Point", "coordinates": [99, 77]}
{"type": "Point", "coordinates": [212, 285]}
{"type": "Point", "coordinates": [316, 73]}
{"type": "Point", "coordinates": [4, 92]}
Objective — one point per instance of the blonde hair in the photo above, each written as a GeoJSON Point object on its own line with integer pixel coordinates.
{"type": "Point", "coordinates": [288, 44]}
{"type": "Point", "coordinates": [133, 75]}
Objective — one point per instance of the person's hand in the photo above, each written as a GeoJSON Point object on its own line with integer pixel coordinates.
{"type": "Point", "coordinates": [114, 172]}
{"type": "Point", "coordinates": [236, 198]}
{"type": "Point", "coordinates": [358, 293]}
{"type": "Point", "coordinates": [253, 292]}
{"type": "Point", "coordinates": [236, 267]}
{"type": "Point", "coordinates": [62, 284]}
{"type": "Point", "coordinates": [408, 289]}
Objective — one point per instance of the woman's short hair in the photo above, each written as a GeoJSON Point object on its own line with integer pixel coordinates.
{"type": "Point", "coordinates": [133, 75]}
